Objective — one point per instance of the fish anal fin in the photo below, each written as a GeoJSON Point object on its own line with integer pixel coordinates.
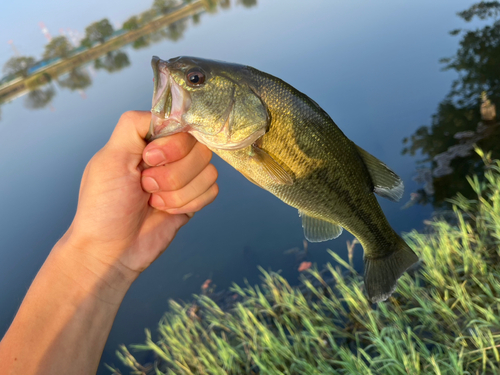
{"type": "Point", "coordinates": [271, 166]}
{"type": "Point", "coordinates": [386, 183]}
{"type": "Point", "coordinates": [382, 273]}
{"type": "Point", "coordinates": [317, 230]}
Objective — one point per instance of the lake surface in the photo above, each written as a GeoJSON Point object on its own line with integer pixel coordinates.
{"type": "Point", "coordinates": [374, 67]}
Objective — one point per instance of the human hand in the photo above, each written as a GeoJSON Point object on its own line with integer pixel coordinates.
{"type": "Point", "coordinates": [114, 224]}
{"type": "Point", "coordinates": [116, 234]}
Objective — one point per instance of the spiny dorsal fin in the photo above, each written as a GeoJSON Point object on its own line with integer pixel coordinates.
{"type": "Point", "coordinates": [386, 183]}
{"type": "Point", "coordinates": [271, 166]}
{"type": "Point", "coordinates": [317, 230]}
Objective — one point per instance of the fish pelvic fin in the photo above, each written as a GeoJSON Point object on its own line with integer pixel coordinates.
{"type": "Point", "coordinates": [317, 230]}
{"type": "Point", "coordinates": [386, 183]}
{"type": "Point", "coordinates": [382, 273]}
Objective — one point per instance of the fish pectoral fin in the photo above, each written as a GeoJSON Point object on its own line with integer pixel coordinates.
{"type": "Point", "coordinates": [317, 230]}
{"type": "Point", "coordinates": [251, 180]}
{"type": "Point", "coordinates": [271, 167]}
{"type": "Point", "coordinates": [386, 183]}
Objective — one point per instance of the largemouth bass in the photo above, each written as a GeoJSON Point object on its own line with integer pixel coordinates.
{"type": "Point", "coordinates": [282, 141]}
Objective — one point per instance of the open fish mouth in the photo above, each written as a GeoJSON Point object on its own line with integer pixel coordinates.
{"type": "Point", "coordinates": [170, 101]}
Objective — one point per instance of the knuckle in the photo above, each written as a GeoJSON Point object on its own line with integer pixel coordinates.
{"type": "Point", "coordinates": [174, 147]}
{"type": "Point", "coordinates": [171, 181]}
{"type": "Point", "coordinates": [212, 173]}
{"type": "Point", "coordinates": [215, 192]}
{"type": "Point", "coordinates": [203, 152]}
{"type": "Point", "coordinates": [173, 200]}
{"type": "Point", "coordinates": [207, 199]}
{"type": "Point", "coordinates": [207, 153]}
{"type": "Point", "coordinates": [128, 116]}
{"type": "Point", "coordinates": [165, 177]}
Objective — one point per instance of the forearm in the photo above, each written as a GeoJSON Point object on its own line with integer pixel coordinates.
{"type": "Point", "coordinates": [65, 318]}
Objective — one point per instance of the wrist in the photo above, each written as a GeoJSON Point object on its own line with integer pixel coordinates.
{"type": "Point", "coordinates": [65, 318]}
{"type": "Point", "coordinates": [106, 280]}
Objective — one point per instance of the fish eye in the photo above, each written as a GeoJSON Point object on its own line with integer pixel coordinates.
{"type": "Point", "coordinates": [195, 77]}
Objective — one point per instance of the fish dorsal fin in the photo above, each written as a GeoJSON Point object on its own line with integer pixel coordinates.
{"type": "Point", "coordinates": [317, 230]}
{"type": "Point", "coordinates": [271, 166]}
{"type": "Point", "coordinates": [386, 183]}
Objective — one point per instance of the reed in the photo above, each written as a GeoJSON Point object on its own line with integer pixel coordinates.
{"type": "Point", "coordinates": [443, 319]}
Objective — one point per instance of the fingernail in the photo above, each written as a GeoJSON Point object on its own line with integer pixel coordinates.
{"type": "Point", "coordinates": [156, 201]}
{"type": "Point", "coordinates": [149, 184]}
{"type": "Point", "coordinates": [155, 157]}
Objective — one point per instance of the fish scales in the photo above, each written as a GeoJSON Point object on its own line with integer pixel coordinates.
{"type": "Point", "coordinates": [282, 141]}
{"type": "Point", "coordinates": [321, 173]}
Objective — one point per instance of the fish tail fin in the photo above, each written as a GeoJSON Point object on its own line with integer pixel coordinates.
{"type": "Point", "coordinates": [382, 273]}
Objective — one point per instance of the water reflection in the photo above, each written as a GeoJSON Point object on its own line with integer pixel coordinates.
{"type": "Point", "coordinates": [18, 65]}
{"type": "Point", "coordinates": [466, 117]}
{"type": "Point", "coordinates": [97, 32]}
{"type": "Point", "coordinates": [77, 79]}
{"type": "Point", "coordinates": [113, 61]}
{"type": "Point", "coordinates": [166, 19]}
{"type": "Point", "coordinates": [39, 98]}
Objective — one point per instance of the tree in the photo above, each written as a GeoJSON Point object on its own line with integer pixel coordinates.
{"type": "Point", "coordinates": [57, 47]}
{"type": "Point", "coordinates": [164, 6]}
{"type": "Point", "coordinates": [248, 3]}
{"type": "Point", "coordinates": [147, 16]}
{"type": "Point", "coordinates": [175, 30]}
{"type": "Point", "coordinates": [447, 144]}
{"type": "Point", "coordinates": [225, 4]}
{"type": "Point", "coordinates": [142, 42]}
{"type": "Point", "coordinates": [39, 98]}
{"type": "Point", "coordinates": [478, 56]}
{"type": "Point", "coordinates": [19, 65]}
{"type": "Point", "coordinates": [97, 32]}
{"type": "Point", "coordinates": [77, 79]}
{"type": "Point", "coordinates": [131, 24]}
{"type": "Point", "coordinates": [112, 62]}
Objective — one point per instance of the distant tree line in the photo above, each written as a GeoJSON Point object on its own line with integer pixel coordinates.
{"type": "Point", "coordinates": [99, 32]}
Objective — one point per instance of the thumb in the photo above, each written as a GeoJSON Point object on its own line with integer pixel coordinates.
{"type": "Point", "coordinates": [129, 133]}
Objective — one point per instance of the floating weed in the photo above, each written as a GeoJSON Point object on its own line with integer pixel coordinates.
{"type": "Point", "coordinates": [443, 319]}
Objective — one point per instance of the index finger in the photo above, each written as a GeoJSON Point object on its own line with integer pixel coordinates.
{"type": "Point", "coordinates": [168, 149]}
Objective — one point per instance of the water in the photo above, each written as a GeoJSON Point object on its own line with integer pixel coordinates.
{"type": "Point", "coordinates": [373, 67]}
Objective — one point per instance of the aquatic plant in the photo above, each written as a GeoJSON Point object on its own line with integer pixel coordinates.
{"type": "Point", "coordinates": [443, 319]}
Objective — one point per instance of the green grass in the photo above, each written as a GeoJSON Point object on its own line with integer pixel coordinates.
{"type": "Point", "coordinates": [443, 319]}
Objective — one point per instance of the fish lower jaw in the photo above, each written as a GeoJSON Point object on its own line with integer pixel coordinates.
{"type": "Point", "coordinates": [213, 143]}
{"type": "Point", "coordinates": [165, 127]}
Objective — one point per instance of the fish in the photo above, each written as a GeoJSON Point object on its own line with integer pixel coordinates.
{"type": "Point", "coordinates": [284, 142]}
{"type": "Point", "coordinates": [304, 266]}
{"type": "Point", "coordinates": [206, 284]}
